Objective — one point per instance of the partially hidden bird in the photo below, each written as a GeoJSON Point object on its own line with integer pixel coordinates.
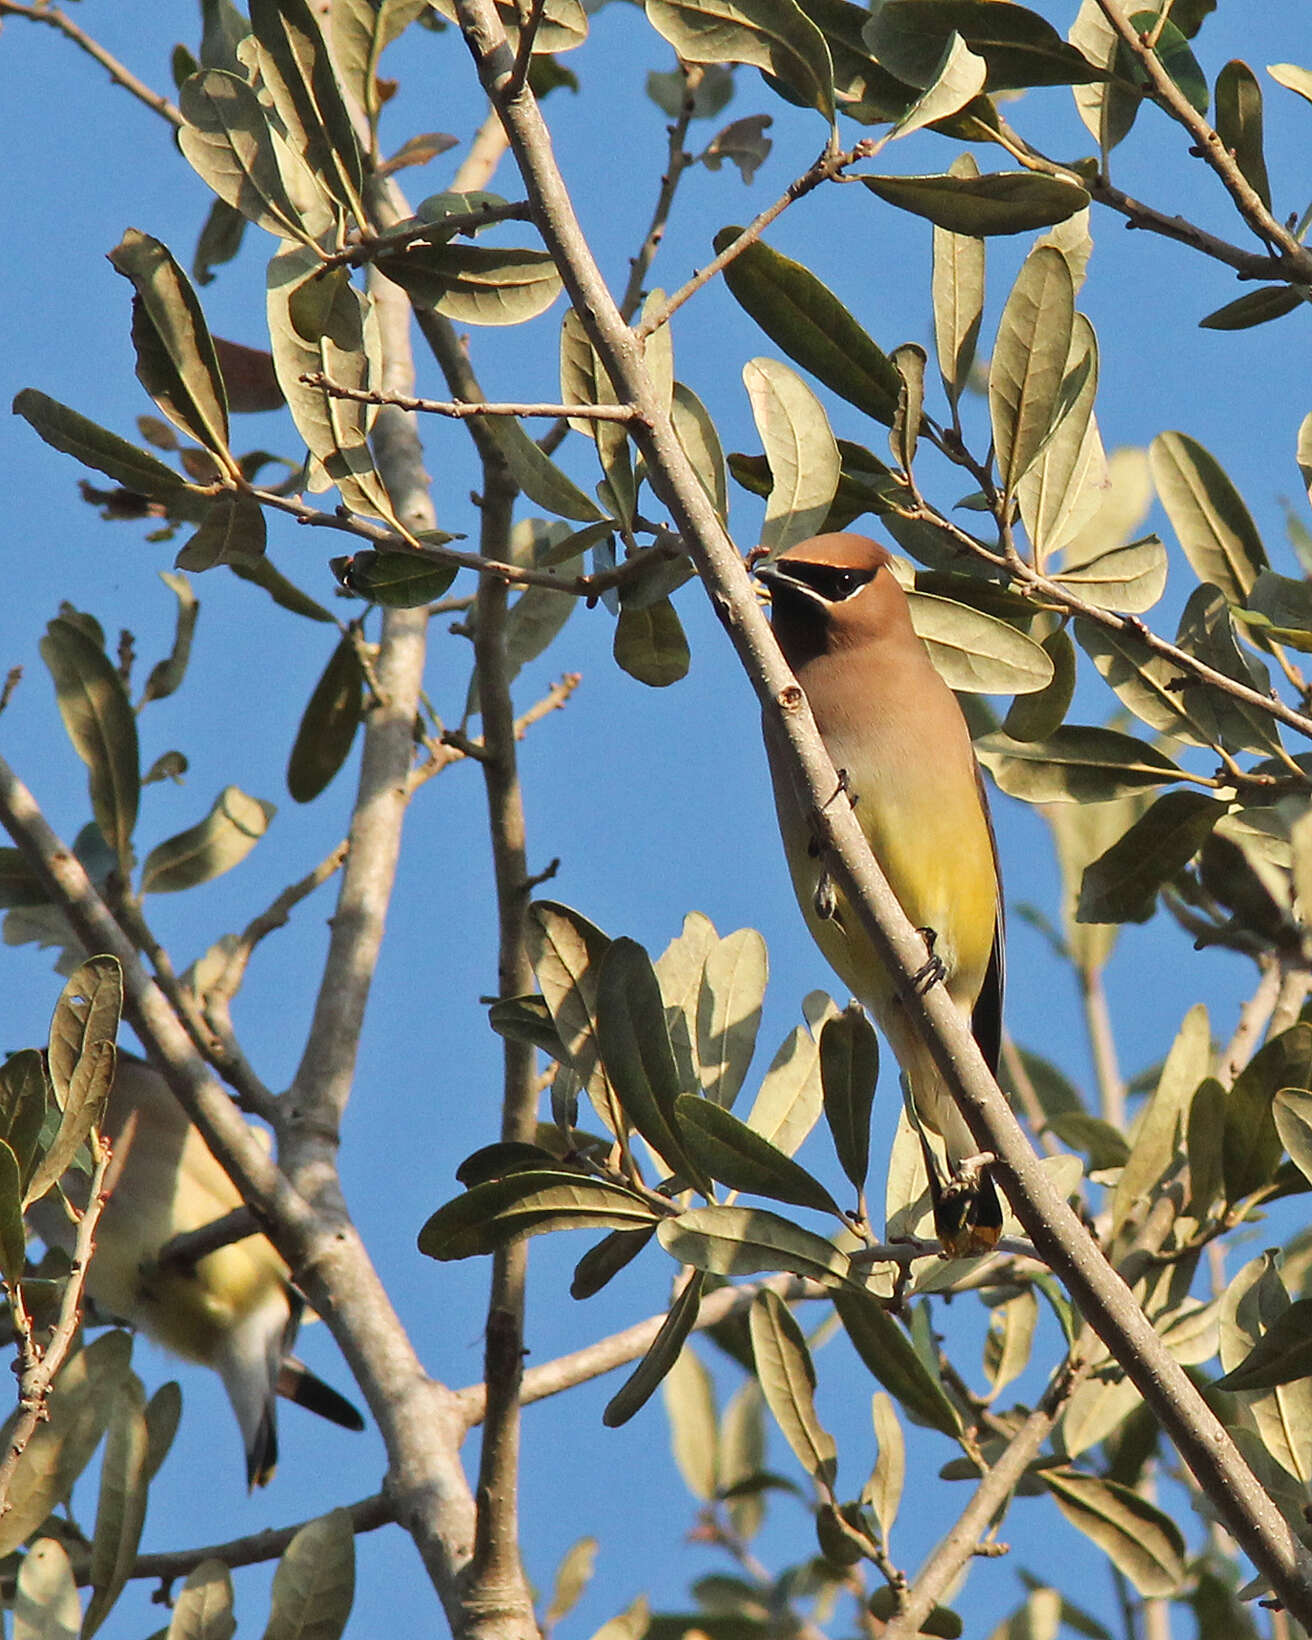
{"type": "Point", "coordinates": [894, 731]}
{"type": "Point", "coordinates": [234, 1310]}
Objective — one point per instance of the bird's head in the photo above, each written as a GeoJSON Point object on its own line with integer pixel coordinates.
{"type": "Point", "coordinates": [831, 592]}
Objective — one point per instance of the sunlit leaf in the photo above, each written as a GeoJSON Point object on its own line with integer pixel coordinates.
{"type": "Point", "coordinates": [529, 1203]}
{"type": "Point", "coordinates": [1208, 515]}
{"type": "Point", "coordinates": [1078, 764]}
{"type": "Point", "coordinates": [742, 1240]}
{"type": "Point", "coordinates": [998, 202]}
{"type": "Point", "coordinates": [777, 38]}
{"type": "Point", "coordinates": [800, 448]}
{"type": "Point", "coordinates": [787, 1378]}
{"type": "Point", "coordinates": [314, 1583]}
{"type": "Point", "coordinates": [219, 842]}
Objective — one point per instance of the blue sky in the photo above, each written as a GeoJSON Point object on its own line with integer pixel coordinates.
{"type": "Point", "coordinates": [655, 802]}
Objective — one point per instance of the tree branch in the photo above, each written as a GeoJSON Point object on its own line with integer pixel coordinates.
{"type": "Point", "coordinates": [117, 72]}
{"type": "Point", "coordinates": [462, 410]}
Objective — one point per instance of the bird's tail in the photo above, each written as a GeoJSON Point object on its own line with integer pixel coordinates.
{"type": "Point", "coordinates": [297, 1383]}
{"type": "Point", "coordinates": [967, 1208]}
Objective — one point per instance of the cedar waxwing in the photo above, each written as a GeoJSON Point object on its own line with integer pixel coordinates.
{"type": "Point", "coordinates": [894, 730]}
{"type": "Point", "coordinates": [235, 1310]}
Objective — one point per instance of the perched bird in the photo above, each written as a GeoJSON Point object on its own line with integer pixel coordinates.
{"type": "Point", "coordinates": [894, 730]}
{"type": "Point", "coordinates": [235, 1310]}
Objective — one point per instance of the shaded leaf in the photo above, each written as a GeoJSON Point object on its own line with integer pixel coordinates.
{"type": "Point", "coordinates": [1038, 715]}
{"type": "Point", "coordinates": [529, 1203]}
{"type": "Point", "coordinates": [729, 1241]}
{"type": "Point", "coordinates": [849, 1070]}
{"type": "Point", "coordinates": [974, 652]}
{"type": "Point", "coordinates": [1160, 1138]}
{"type": "Point", "coordinates": [572, 1577]}
{"type": "Point", "coordinates": [1252, 1144]}
{"type": "Point", "coordinates": [228, 143]}
{"type": "Point", "coordinates": [957, 288]}
{"type": "Point", "coordinates": [176, 360]}
{"type": "Point", "coordinates": [804, 318]}
{"type": "Point", "coordinates": [1122, 884]}
{"type": "Point", "coordinates": [566, 952]}
{"type": "Point", "coordinates": [600, 1263]}
{"type": "Point", "coordinates": [1173, 53]}
{"type": "Point", "coordinates": [635, 1049]}
{"type": "Point", "coordinates": [233, 527]}
{"type": "Point", "coordinates": [999, 202]}
{"type": "Point", "coordinates": [1208, 515]}
{"type": "Point", "coordinates": [328, 724]}
{"type": "Point", "coordinates": [100, 722]}
{"type": "Point", "coordinates": [121, 1506]}
{"type": "Point", "coordinates": [1128, 579]}
{"type": "Point", "coordinates": [314, 1584]}
{"type": "Point", "coordinates": [909, 37]}
{"type": "Point", "coordinates": [730, 992]}
{"type": "Point", "coordinates": [1078, 764]}
{"type": "Point", "coordinates": [1282, 1355]}
{"type": "Point", "coordinates": [396, 580]}
{"type": "Point", "coordinates": [219, 842]}
{"type": "Point", "coordinates": [777, 38]}
{"type": "Point", "coordinates": [787, 1379]}
{"type": "Point", "coordinates": [661, 1355]}
{"type": "Point", "coordinates": [730, 1152]}
{"type": "Point", "coordinates": [476, 284]}
{"type": "Point", "coordinates": [1138, 1538]}
{"type": "Point", "coordinates": [650, 644]}
{"type": "Point", "coordinates": [696, 432]}
{"type": "Point", "coordinates": [958, 79]}
{"type": "Point", "coordinates": [890, 1355]}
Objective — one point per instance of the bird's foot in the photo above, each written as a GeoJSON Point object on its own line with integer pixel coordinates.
{"type": "Point", "coordinates": [967, 1211]}
{"type": "Point", "coordinates": [933, 972]}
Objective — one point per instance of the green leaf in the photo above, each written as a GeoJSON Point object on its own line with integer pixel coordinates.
{"type": "Point", "coordinates": [202, 1609]}
{"type": "Point", "coordinates": [909, 38]}
{"type": "Point", "coordinates": [297, 72]}
{"type": "Point", "coordinates": [804, 318]}
{"type": "Point", "coordinates": [1108, 110]}
{"type": "Point", "coordinates": [787, 1379]}
{"type": "Point", "coordinates": [867, 92]}
{"type": "Point", "coordinates": [530, 1203]}
{"type": "Point", "coordinates": [775, 36]}
{"type": "Point", "coordinates": [1252, 1143]}
{"type": "Point", "coordinates": [1161, 1136]}
{"type": "Point", "coordinates": [538, 476]}
{"type": "Point", "coordinates": [1151, 685]}
{"type": "Point", "coordinates": [314, 1584]}
{"type": "Point", "coordinates": [661, 1355]}
{"type": "Point", "coordinates": [788, 1102]}
{"type": "Point", "coordinates": [176, 361]}
{"type": "Point", "coordinates": [940, 1622]}
{"type": "Point", "coordinates": [24, 1095]}
{"type": "Point", "coordinates": [227, 141]}
{"type": "Point", "coordinates": [712, 94]}
{"type": "Point", "coordinates": [1038, 715]}
{"type": "Point", "coordinates": [650, 644]}
{"type": "Point", "coordinates": [1207, 631]}
{"type": "Point", "coordinates": [347, 352]}
{"type": "Point", "coordinates": [1076, 765]}
{"type": "Point", "coordinates": [729, 1151]}
{"type": "Point", "coordinates": [121, 1507]}
{"type": "Point", "coordinates": [696, 432]}
{"type": "Point", "coordinates": [958, 79]}
{"type": "Point", "coordinates": [1129, 579]}
{"type": "Point", "coordinates": [13, 1237]}
{"type": "Point", "coordinates": [1280, 609]}
{"type": "Point", "coordinates": [735, 1241]}
{"type": "Point", "coordinates": [328, 724]}
{"type": "Point", "coordinates": [1239, 125]}
{"type": "Point", "coordinates": [1257, 307]}
{"type": "Point", "coordinates": [882, 1493]}
{"type": "Point", "coordinates": [166, 676]}
{"type": "Point", "coordinates": [81, 1058]}
{"type": "Point", "coordinates": [849, 1070]}
{"type": "Point", "coordinates": [283, 592]}
{"type": "Point", "coordinates": [604, 1261]}
{"type": "Point", "coordinates": [1173, 53]}
{"type": "Point", "coordinates": [1122, 884]}
{"type": "Point", "coordinates": [99, 720]}
{"type": "Point", "coordinates": [1208, 515]}
{"type": "Point", "coordinates": [1292, 1109]}
{"type": "Point", "coordinates": [957, 288]}
{"type": "Point", "coordinates": [572, 1577]}
{"type": "Point", "coordinates": [566, 952]}
{"type": "Point", "coordinates": [1062, 489]}
{"type": "Point", "coordinates": [63, 1445]}
{"type": "Point", "coordinates": [219, 842]}
{"type": "Point", "coordinates": [361, 31]}
{"type": "Point", "coordinates": [233, 527]}
{"type": "Point", "coordinates": [730, 990]}
{"type": "Point", "coordinates": [396, 580]}
{"type": "Point", "coordinates": [974, 652]}
{"type": "Point", "coordinates": [804, 461]}
{"type": "Point", "coordinates": [635, 1049]}
{"type": "Point", "coordinates": [1029, 361]}
{"type": "Point", "coordinates": [1139, 1539]}
{"type": "Point", "coordinates": [476, 284]}
{"type": "Point", "coordinates": [909, 360]}
{"type": "Point", "coordinates": [1282, 1355]}
{"type": "Point", "coordinates": [66, 430]}
{"type": "Point", "coordinates": [890, 1355]}
{"type": "Point", "coordinates": [999, 202]}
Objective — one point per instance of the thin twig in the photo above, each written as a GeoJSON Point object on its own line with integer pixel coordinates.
{"type": "Point", "coordinates": [827, 167]}
{"type": "Point", "coordinates": [1254, 1017]}
{"type": "Point", "coordinates": [38, 1365]}
{"type": "Point", "coordinates": [528, 30]}
{"type": "Point", "coordinates": [117, 72]}
{"type": "Point", "coordinates": [676, 163]}
{"type": "Point", "coordinates": [1209, 147]}
{"type": "Point", "coordinates": [463, 411]}
{"type": "Point", "coordinates": [1102, 1045]}
{"type": "Point", "coordinates": [276, 916]}
{"type": "Point", "coordinates": [13, 678]}
{"type": "Point", "coordinates": [368, 248]}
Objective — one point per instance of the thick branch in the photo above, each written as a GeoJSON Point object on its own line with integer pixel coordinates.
{"type": "Point", "coordinates": [1060, 1238]}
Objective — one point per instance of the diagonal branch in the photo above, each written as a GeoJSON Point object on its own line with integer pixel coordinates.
{"type": "Point", "coordinates": [1057, 1234]}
